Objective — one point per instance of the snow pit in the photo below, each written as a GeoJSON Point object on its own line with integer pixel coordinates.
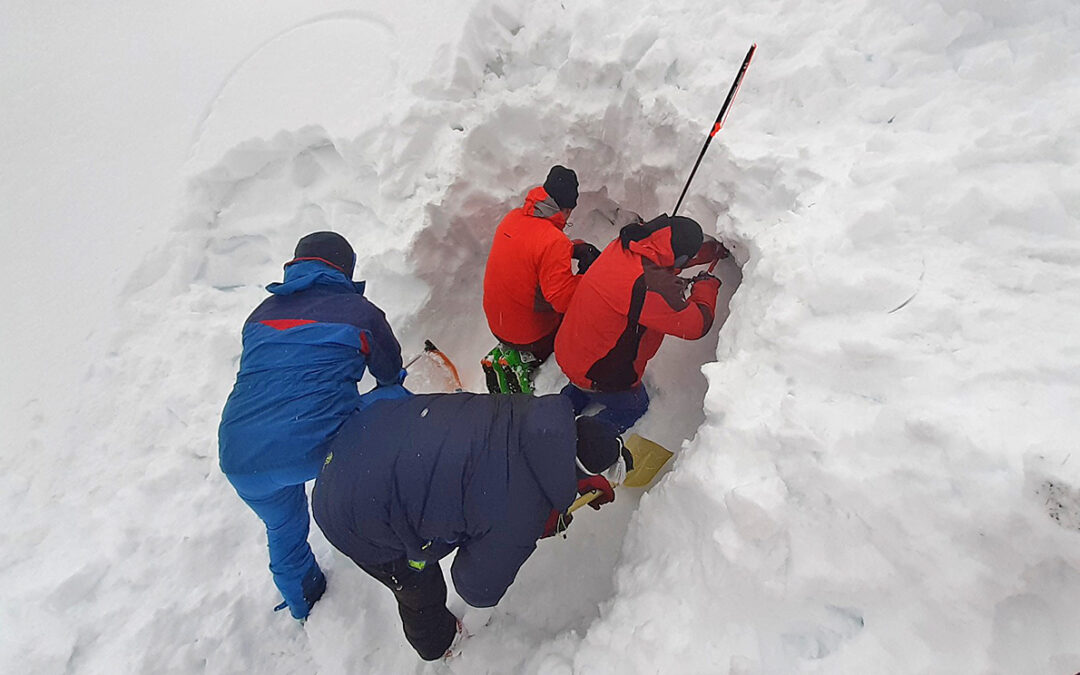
{"type": "Point", "coordinates": [424, 266]}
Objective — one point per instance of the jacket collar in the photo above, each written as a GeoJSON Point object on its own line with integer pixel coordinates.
{"type": "Point", "coordinates": [301, 275]}
{"type": "Point", "coordinates": [539, 204]}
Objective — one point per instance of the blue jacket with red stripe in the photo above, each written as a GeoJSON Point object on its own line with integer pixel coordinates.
{"type": "Point", "coordinates": [305, 348]}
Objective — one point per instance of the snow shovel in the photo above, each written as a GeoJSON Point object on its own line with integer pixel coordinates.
{"type": "Point", "coordinates": [649, 458]}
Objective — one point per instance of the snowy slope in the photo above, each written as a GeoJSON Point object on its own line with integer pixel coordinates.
{"type": "Point", "coordinates": [878, 472]}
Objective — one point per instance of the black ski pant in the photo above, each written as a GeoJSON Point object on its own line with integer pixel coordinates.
{"type": "Point", "coordinates": [421, 597]}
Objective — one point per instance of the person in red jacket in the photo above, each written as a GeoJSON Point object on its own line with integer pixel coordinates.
{"type": "Point", "coordinates": [528, 282]}
{"type": "Point", "coordinates": [630, 299]}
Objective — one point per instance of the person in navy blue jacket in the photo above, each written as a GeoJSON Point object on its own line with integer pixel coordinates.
{"type": "Point", "coordinates": [304, 350]}
{"type": "Point", "coordinates": [409, 480]}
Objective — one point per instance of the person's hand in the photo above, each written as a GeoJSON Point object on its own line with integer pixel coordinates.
{"type": "Point", "coordinates": [557, 522]}
{"type": "Point", "coordinates": [704, 278]}
{"type": "Point", "coordinates": [585, 253]}
{"type": "Point", "coordinates": [383, 392]}
{"type": "Point", "coordinates": [599, 483]}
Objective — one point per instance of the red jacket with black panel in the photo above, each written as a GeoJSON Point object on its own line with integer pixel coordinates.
{"type": "Point", "coordinates": [528, 281]}
{"type": "Point", "coordinates": [626, 303]}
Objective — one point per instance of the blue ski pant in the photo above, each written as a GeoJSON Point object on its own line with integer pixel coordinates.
{"type": "Point", "coordinates": [621, 408]}
{"type": "Point", "coordinates": [278, 498]}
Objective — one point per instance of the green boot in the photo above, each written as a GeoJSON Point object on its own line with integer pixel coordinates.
{"type": "Point", "coordinates": [519, 367]}
{"type": "Point", "coordinates": [493, 372]}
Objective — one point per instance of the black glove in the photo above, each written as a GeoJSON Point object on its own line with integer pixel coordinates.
{"type": "Point", "coordinates": [702, 276]}
{"type": "Point", "coordinates": [585, 253]}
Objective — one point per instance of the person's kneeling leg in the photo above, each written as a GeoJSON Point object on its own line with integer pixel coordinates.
{"type": "Point", "coordinates": [623, 408]}
{"type": "Point", "coordinates": [578, 397]}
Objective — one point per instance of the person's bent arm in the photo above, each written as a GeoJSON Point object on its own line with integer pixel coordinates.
{"type": "Point", "coordinates": [384, 352]}
{"type": "Point", "coordinates": [665, 310]}
{"type": "Point", "coordinates": [557, 281]}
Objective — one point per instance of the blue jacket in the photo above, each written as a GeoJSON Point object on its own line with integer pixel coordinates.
{"type": "Point", "coordinates": [420, 476]}
{"type": "Point", "coordinates": [305, 348]}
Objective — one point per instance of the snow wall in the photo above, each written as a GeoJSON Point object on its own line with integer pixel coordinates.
{"type": "Point", "coordinates": [878, 474]}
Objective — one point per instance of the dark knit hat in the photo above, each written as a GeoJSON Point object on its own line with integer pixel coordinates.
{"type": "Point", "coordinates": [686, 238]}
{"type": "Point", "coordinates": [561, 185]}
{"type": "Point", "coordinates": [330, 247]}
{"type": "Point", "coordinates": [598, 443]}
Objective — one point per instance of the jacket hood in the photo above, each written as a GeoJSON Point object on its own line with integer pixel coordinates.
{"type": "Point", "coordinates": [664, 240]}
{"type": "Point", "coordinates": [304, 274]}
{"type": "Point", "coordinates": [539, 204]}
{"type": "Point", "coordinates": [656, 247]}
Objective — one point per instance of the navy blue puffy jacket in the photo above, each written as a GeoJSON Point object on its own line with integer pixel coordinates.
{"type": "Point", "coordinates": [419, 476]}
{"type": "Point", "coordinates": [305, 348]}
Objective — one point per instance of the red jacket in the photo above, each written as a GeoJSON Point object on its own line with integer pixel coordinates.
{"type": "Point", "coordinates": [625, 304]}
{"type": "Point", "coordinates": [528, 282]}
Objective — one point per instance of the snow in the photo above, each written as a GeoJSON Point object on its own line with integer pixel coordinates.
{"type": "Point", "coordinates": [877, 468]}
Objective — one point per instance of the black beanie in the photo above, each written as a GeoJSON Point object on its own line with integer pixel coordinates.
{"type": "Point", "coordinates": [597, 443]}
{"type": "Point", "coordinates": [561, 185]}
{"type": "Point", "coordinates": [686, 236]}
{"type": "Point", "coordinates": [330, 247]}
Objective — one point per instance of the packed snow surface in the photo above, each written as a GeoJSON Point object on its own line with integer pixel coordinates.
{"type": "Point", "coordinates": [877, 468]}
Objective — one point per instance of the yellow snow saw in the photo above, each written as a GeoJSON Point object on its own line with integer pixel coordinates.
{"type": "Point", "coordinates": [649, 458]}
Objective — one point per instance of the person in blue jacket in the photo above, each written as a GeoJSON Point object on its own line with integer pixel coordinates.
{"type": "Point", "coordinates": [304, 350]}
{"type": "Point", "coordinates": [409, 480]}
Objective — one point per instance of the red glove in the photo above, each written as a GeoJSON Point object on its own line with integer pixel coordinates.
{"type": "Point", "coordinates": [705, 287]}
{"type": "Point", "coordinates": [598, 482]}
{"type": "Point", "coordinates": [711, 251]}
{"type": "Point", "coordinates": [557, 522]}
